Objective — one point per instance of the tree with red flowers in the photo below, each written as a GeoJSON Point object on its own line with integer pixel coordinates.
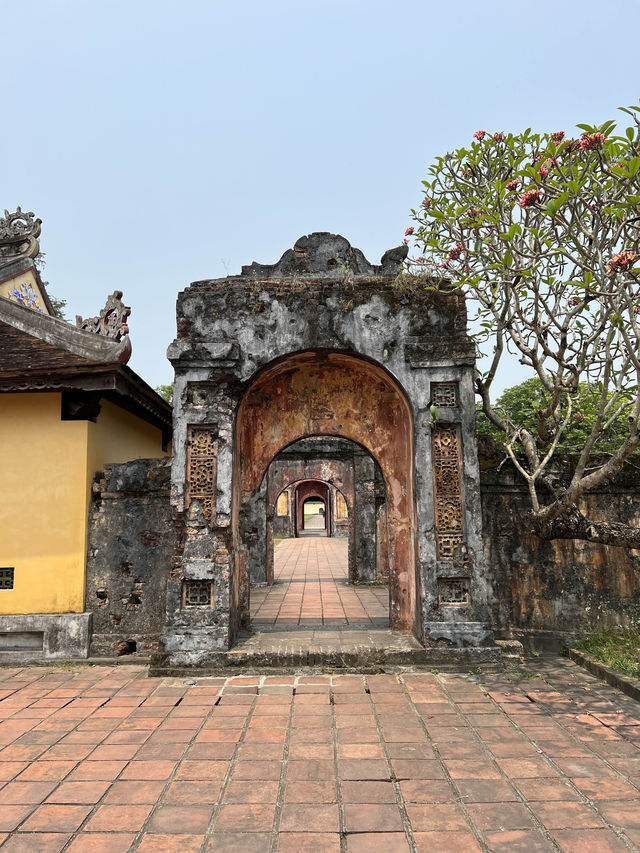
{"type": "Point", "coordinates": [542, 232]}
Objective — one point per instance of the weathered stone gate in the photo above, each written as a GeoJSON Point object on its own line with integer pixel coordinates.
{"type": "Point", "coordinates": [323, 343]}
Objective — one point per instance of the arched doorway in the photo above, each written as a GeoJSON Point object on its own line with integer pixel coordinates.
{"type": "Point", "coordinates": [332, 394]}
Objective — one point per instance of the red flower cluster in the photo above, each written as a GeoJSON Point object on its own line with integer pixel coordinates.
{"type": "Point", "coordinates": [591, 141]}
{"type": "Point", "coordinates": [530, 198]}
{"type": "Point", "coordinates": [578, 418]}
{"type": "Point", "coordinates": [543, 171]}
{"type": "Point", "coordinates": [514, 184]}
{"type": "Point", "coordinates": [409, 231]}
{"type": "Point", "coordinates": [557, 136]}
{"type": "Point", "coordinates": [473, 212]}
{"type": "Point", "coordinates": [426, 202]}
{"type": "Point", "coordinates": [573, 301]}
{"type": "Point", "coordinates": [480, 134]}
{"type": "Point", "coordinates": [453, 255]}
{"type": "Point", "coordinates": [622, 261]}
{"type": "Point", "coordinates": [498, 137]}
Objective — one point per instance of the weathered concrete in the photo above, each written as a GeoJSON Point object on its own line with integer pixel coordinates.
{"type": "Point", "coordinates": [322, 343]}
{"type": "Point", "coordinates": [49, 636]}
{"type": "Point", "coordinates": [131, 544]}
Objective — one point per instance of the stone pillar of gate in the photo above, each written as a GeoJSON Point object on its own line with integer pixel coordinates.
{"type": "Point", "coordinates": [364, 518]}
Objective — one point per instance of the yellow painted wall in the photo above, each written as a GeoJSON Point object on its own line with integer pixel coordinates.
{"type": "Point", "coordinates": [46, 469]}
{"type": "Point", "coordinates": [26, 278]}
{"type": "Point", "coordinates": [43, 504]}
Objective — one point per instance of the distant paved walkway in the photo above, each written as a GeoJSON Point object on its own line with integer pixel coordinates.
{"type": "Point", "coordinates": [105, 759]}
{"type": "Point", "coordinates": [311, 590]}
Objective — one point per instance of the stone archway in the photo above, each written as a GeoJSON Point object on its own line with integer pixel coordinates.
{"type": "Point", "coordinates": [334, 394]}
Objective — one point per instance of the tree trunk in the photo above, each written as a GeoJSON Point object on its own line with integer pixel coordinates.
{"type": "Point", "coordinates": [573, 525]}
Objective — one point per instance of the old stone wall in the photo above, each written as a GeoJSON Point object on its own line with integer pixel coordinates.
{"type": "Point", "coordinates": [131, 543]}
{"type": "Point", "coordinates": [564, 587]}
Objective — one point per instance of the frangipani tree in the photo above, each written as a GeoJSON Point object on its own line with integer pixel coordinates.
{"type": "Point", "coordinates": [542, 232]}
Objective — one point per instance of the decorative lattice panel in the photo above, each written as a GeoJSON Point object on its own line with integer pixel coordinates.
{"type": "Point", "coordinates": [197, 593]}
{"type": "Point", "coordinates": [6, 578]}
{"type": "Point", "coordinates": [202, 451]}
{"type": "Point", "coordinates": [444, 394]}
{"type": "Point", "coordinates": [454, 591]}
{"type": "Point", "coordinates": [448, 492]}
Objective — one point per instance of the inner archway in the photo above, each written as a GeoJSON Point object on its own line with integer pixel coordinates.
{"type": "Point", "coordinates": [327, 394]}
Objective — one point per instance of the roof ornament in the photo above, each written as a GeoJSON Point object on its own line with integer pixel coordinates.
{"type": "Point", "coordinates": [112, 320]}
{"type": "Point", "coordinates": [111, 323]}
{"type": "Point", "coordinates": [19, 234]}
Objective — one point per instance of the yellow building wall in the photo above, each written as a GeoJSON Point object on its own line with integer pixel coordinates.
{"type": "Point", "coordinates": [46, 469]}
{"type": "Point", "coordinates": [43, 504]}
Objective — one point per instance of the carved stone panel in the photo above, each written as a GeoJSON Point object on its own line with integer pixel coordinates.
{"type": "Point", "coordinates": [444, 394]}
{"type": "Point", "coordinates": [202, 452]}
{"type": "Point", "coordinates": [447, 469]}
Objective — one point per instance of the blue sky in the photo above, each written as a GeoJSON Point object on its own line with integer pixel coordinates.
{"type": "Point", "coordinates": [162, 143]}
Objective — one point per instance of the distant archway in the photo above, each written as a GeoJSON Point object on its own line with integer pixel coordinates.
{"type": "Point", "coordinates": [334, 394]}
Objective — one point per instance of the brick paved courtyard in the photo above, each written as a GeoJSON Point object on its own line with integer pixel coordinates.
{"type": "Point", "coordinates": [105, 759]}
{"type": "Point", "coordinates": [311, 590]}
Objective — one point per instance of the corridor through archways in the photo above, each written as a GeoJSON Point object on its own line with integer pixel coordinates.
{"type": "Point", "coordinates": [310, 590]}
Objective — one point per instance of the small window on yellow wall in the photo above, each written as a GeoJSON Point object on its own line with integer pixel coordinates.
{"type": "Point", "coordinates": [341, 506]}
{"type": "Point", "coordinates": [282, 507]}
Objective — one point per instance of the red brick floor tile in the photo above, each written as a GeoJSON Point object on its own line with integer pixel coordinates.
{"type": "Point", "coordinates": [56, 818]}
{"type": "Point", "coordinates": [78, 792]}
{"type": "Point", "coordinates": [212, 751]}
{"type": "Point", "coordinates": [427, 791]}
{"type": "Point", "coordinates": [463, 769]}
{"type": "Point", "coordinates": [308, 842]}
{"type": "Point", "coordinates": [563, 815]}
{"type": "Point", "coordinates": [437, 817]}
{"type": "Point", "coordinates": [368, 792]}
{"type": "Point", "coordinates": [310, 792]}
{"type": "Point", "coordinates": [95, 771]}
{"type": "Point", "coordinates": [606, 789]}
{"type": "Point", "coordinates": [249, 769]}
{"type": "Point", "coordinates": [238, 842]}
{"type": "Point", "coordinates": [241, 791]}
{"type": "Point", "coordinates": [261, 751]}
{"type": "Point", "coordinates": [149, 770]}
{"type": "Point", "coordinates": [374, 842]}
{"type": "Point", "coordinates": [621, 813]}
{"type": "Point", "coordinates": [159, 843]}
{"type": "Point", "coordinates": [111, 818]}
{"type": "Point", "coordinates": [310, 770]}
{"type": "Point", "coordinates": [409, 768]}
{"type": "Point", "coordinates": [36, 842]}
{"type": "Point", "coordinates": [16, 793]}
{"type": "Point", "coordinates": [372, 817]}
{"type": "Point", "coordinates": [411, 750]}
{"type": "Point", "coordinates": [181, 819]}
{"type": "Point", "coordinates": [303, 751]}
{"type": "Point", "coordinates": [354, 769]}
{"type": "Point", "coordinates": [245, 818]}
{"type": "Point", "coordinates": [9, 769]}
{"type": "Point", "coordinates": [45, 771]}
{"type": "Point", "coordinates": [133, 793]}
{"type": "Point", "coordinates": [501, 816]}
{"type": "Point", "coordinates": [101, 842]}
{"type": "Point", "coordinates": [518, 841]}
{"type": "Point", "coordinates": [12, 815]}
{"type": "Point", "coordinates": [523, 768]}
{"type": "Point", "coordinates": [542, 790]}
{"type": "Point", "coordinates": [485, 791]}
{"type": "Point", "coordinates": [201, 771]}
{"type": "Point", "coordinates": [309, 817]}
{"type": "Point", "coordinates": [588, 841]}
{"type": "Point", "coordinates": [446, 842]}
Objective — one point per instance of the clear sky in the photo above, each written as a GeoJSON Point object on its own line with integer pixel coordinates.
{"type": "Point", "coordinates": [164, 142]}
